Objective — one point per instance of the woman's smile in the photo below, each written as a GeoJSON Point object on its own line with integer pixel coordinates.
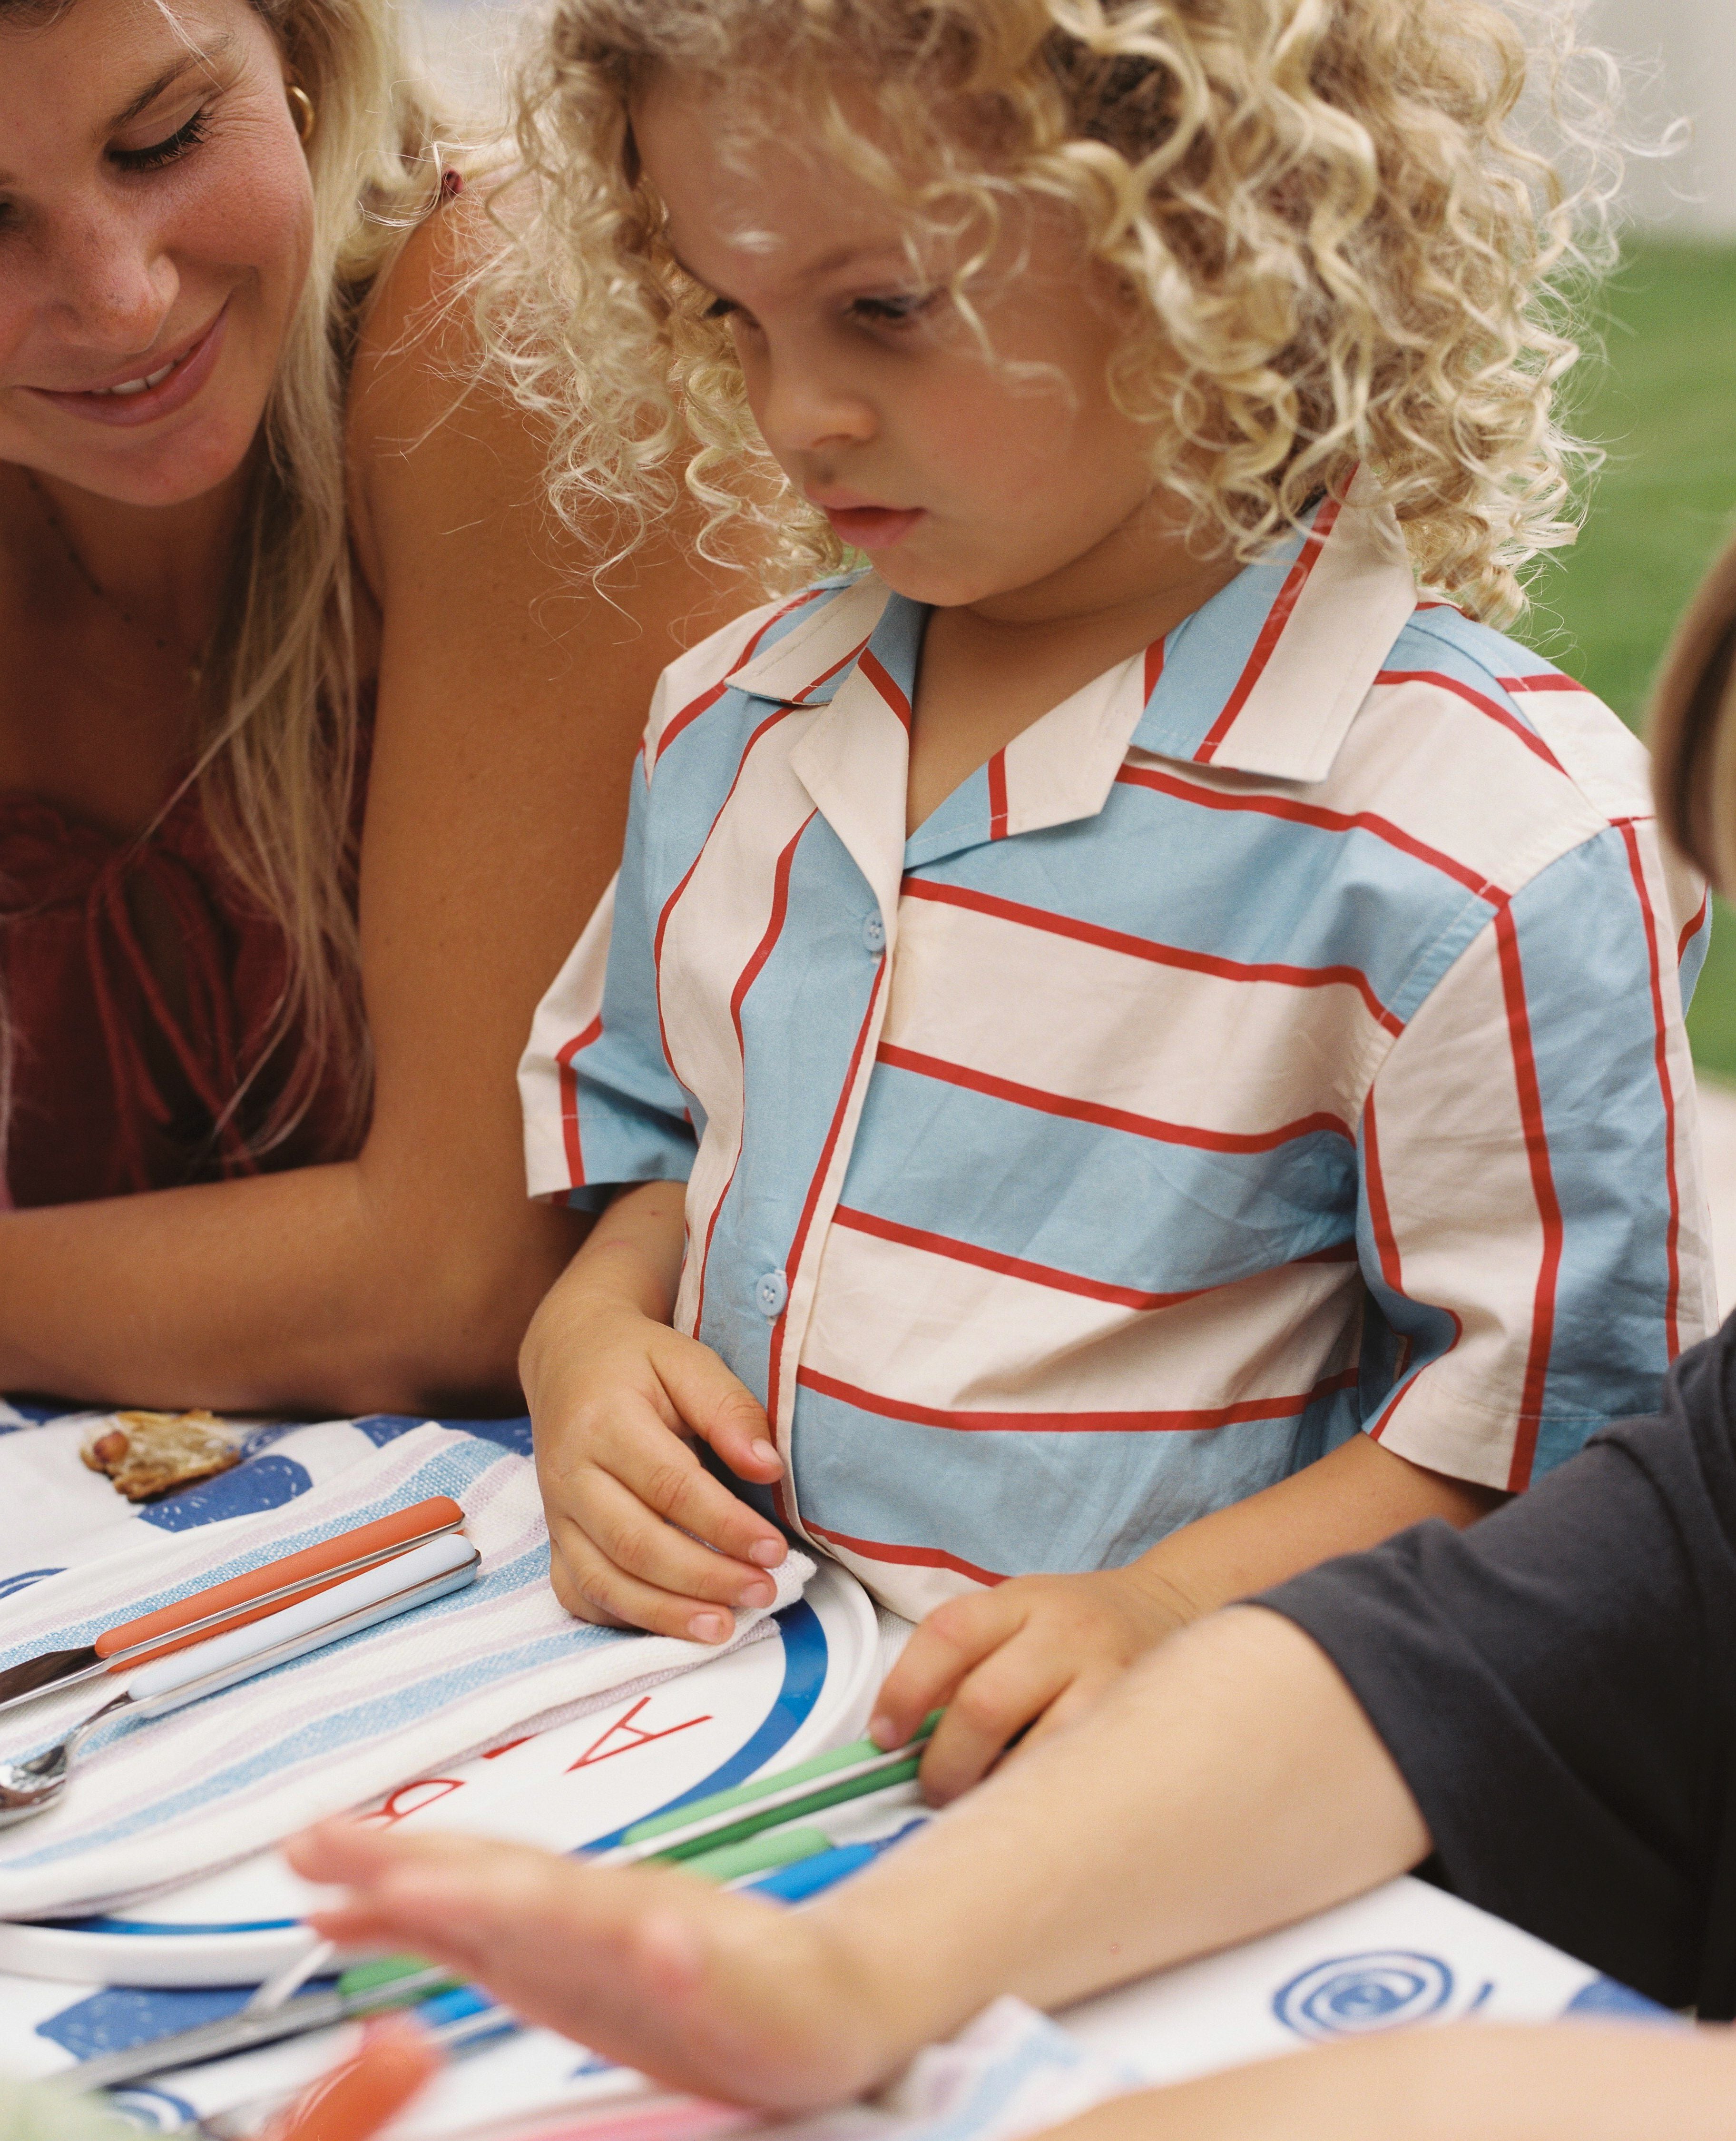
{"type": "Point", "coordinates": [142, 397]}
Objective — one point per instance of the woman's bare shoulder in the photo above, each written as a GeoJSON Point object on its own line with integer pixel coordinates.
{"type": "Point", "coordinates": [428, 414]}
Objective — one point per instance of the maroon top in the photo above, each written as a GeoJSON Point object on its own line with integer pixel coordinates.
{"type": "Point", "coordinates": [118, 1085]}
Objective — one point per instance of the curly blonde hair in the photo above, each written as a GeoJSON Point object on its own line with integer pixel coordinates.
{"type": "Point", "coordinates": [1340, 246]}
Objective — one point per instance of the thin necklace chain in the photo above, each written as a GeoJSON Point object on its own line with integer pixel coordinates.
{"type": "Point", "coordinates": [195, 665]}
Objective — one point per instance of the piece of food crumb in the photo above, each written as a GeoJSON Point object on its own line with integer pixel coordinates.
{"type": "Point", "coordinates": [146, 1454]}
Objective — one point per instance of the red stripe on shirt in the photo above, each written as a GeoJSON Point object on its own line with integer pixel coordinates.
{"type": "Point", "coordinates": [884, 681]}
{"type": "Point", "coordinates": [1661, 1056]}
{"type": "Point", "coordinates": [1496, 712]}
{"type": "Point", "coordinates": [743, 981]}
{"type": "Point", "coordinates": [1311, 813]}
{"type": "Point", "coordinates": [1549, 1209]}
{"type": "Point", "coordinates": [843, 662]}
{"type": "Point", "coordinates": [668, 909]}
{"type": "Point", "coordinates": [691, 712]}
{"type": "Point", "coordinates": [1692, 929]}
{"type": "Point", "coordinates": [1145, 947]}
{"type": "Point", "coordinates": [1386, 1248]}
{"type": "Point", "coordinates": [1154, 667]}
{"type": "Point", "coordinates": [1549, 681]}
{"type": "Point", "coordinates": [997, 796]}
{"type": "Point", "coordinates": [968, 1252]}
{"type": "Point", "coordinates": [792, 1262]}
{"type": "Point", "coordinates": [1110, 1119]}
{"type": "Point", "coordinates": [1074, 1423]}
{"type": "Point", "coordinates": [1272, 630]}
{"type": "Point", "coordinates": [569, 1101]}
{"type": "Point", "coordinates": [1380, 1221]}
{"type": "Point", "coordinates": [906, 1557]}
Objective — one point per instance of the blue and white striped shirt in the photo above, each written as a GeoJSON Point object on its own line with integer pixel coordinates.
{"type": "Point", "coordinates": [1281, 1037]}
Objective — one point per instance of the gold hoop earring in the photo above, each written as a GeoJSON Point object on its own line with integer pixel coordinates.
{"type": "Point", "coordinates": [302, 111]}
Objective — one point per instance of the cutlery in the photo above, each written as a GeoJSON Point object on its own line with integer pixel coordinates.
{"type": "Point", "coordinates": [431, 1571]}
{"type": "Point", "coordinates": [208, 1612]}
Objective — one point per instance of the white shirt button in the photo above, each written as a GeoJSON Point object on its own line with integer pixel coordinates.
{"type": "Point", "coordinates": [874, 934]}
{"type": "Point", "coordinates": [770, 1292]}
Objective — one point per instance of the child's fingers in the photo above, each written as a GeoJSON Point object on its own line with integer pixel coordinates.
{"type": "Point", "coordinates": [640, 1544]}
{"type": "Point", "coordinates": [665, 1475]}
{"type": "Point", "coordinates": [997, 1699]}
{"type": "Point", "coordinates": [954, 1637]}
{"type": "Point", "coordinates": [719, 1408]}
{"type": "Point", "coordinates": [610, 1595]}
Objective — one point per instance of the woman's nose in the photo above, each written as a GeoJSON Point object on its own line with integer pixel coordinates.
{"type": "Point", "coordinates": [110, 285]}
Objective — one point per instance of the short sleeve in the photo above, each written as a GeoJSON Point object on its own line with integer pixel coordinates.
{"type": "Point", "coordinates": [1557, 1685]}
{"type": "Point", "coordinates": [1532, 1224]}
{"type": "Point", "coordinates": [602, 1107]}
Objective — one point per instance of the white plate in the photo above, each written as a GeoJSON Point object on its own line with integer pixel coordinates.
{"type": "Point", "coordinates": [807, 1689]}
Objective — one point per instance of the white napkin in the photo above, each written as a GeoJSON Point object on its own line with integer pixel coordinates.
{"type": "Point", "coordinates": [156, 1801]}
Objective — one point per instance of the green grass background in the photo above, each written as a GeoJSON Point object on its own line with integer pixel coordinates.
{"type": "Point", "coordinates": [1663, 406]}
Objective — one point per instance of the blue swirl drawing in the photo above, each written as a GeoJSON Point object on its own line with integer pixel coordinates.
{"type": "Point", "coordinates": [1350, 1995]}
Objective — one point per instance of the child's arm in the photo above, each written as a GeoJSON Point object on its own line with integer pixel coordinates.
{"type": "Point", "coordinates": [619, 1399]}
{"type": "Point", "coordinates": [1043, 1646]}
{"type": "Point", "coordinates": [1086, 1865]}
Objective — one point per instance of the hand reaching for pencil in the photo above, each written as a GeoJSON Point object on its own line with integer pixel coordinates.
{"type": "Point", "coordinates": [725, 1994]}
{"type": "Point", "coordinates": [1027, 1656]}
{"type": "Point", "coordinates": [640, 1533]}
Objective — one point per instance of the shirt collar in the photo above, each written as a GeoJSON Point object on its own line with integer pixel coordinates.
{"type": "Point", "coordinates": [1264, 679]}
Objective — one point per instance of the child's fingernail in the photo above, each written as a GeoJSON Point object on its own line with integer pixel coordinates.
{"type": "Point", "coordinates": [758, 1594]}
{"type": "Point", "coordinates": [708, 1627]}
{"type": "Point", "coordinates": [767, 1554]}
{"type": "Point", "coordinates": [767, 1454]}
{"type": "Point", "coordinates": [883, 1732]}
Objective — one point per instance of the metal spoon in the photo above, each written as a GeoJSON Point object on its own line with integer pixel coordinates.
{"type": "Point", "coordinates": [444, 1564]}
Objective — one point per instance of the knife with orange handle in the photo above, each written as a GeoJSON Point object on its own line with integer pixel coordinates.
{"type": "Point", "coordinates": [232, 1605]}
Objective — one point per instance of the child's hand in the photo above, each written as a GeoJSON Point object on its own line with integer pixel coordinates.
{"type": "Point", "coordinates": [618, 1400]}
{"type": "Point", "coordinates": [728, 1995]}
{"type": "Point", "coordinates": [1040, 1647]}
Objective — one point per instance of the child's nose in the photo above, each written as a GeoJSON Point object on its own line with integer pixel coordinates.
{"type": "Point", "coordinates": [803, 411]}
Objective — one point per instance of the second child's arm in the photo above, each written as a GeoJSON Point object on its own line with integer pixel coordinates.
{"type": "Point", "coordinates": [640, 1533]}
{"type": "Point", "coordinates": [1043, 1646]}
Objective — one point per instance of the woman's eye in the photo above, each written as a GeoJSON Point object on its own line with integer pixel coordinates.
{"type": "Point", "coordinates": [187, 136]}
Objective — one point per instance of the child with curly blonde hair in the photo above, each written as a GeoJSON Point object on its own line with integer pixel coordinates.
{"type": "Point", "coordinates": [1131, 1051]}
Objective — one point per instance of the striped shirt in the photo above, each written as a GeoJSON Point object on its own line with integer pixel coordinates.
{"type": "Point", "coordinates": [1281, 1037]}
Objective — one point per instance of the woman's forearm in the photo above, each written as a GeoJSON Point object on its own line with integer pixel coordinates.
{"type": "Point", "coordinates": [327, 1289]}
{"type": "Point", "coordinates": [1229, 1784]}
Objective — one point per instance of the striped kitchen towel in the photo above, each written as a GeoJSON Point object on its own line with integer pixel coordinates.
{"type": "Point", "coordinates": [156, 1801]}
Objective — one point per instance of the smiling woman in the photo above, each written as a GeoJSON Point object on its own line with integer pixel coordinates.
{"type": "Point", "coordinates": [312, 745]}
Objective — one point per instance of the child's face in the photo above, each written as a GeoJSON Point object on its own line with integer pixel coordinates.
{"type": "Point", "coordinates": [966, 476]}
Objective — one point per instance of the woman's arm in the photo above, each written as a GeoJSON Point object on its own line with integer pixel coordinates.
{"type": "Point", "coordinates": [510, 703]}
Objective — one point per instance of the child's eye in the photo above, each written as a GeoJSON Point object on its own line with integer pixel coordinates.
{"type": "Point", "coordinates": [893, 312]}
{"type": "Point", "coordinates": [186, 137]}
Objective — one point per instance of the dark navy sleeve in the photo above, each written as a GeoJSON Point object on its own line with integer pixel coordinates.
{"type": "Point", "coordinates": [1557, 1683]}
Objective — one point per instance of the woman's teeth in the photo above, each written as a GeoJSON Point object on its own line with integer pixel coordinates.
{"type": "Point", "coordinates": [138, 385]}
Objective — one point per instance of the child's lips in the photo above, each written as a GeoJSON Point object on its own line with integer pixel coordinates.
{"type": "Point", "coordinates": [874, 527]}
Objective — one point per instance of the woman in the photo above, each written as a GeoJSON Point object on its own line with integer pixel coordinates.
{"type": "Point", "coordinates": [1544, 1706]}
{"type": "Point", "coordinates": [313, 755]}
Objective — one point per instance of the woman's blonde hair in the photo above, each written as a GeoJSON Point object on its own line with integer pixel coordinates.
{"type": "Point", "coordinates": [276, 770]}
{"type": "Point", "coordinates": [1343, 244]}
{"type": "Point", "coordinates": [276, 763]}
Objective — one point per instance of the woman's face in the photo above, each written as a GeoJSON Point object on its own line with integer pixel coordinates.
{"type": "Point", "coordinates": [155, 222]}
